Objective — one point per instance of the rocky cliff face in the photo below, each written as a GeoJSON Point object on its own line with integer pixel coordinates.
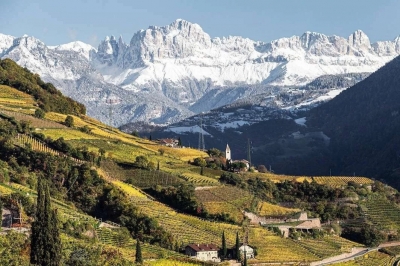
{"type": "Point", "coordinates": [164, 73]}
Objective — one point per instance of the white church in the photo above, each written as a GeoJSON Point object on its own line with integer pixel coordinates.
{"type": "Point", "coordinates": [228, 157]}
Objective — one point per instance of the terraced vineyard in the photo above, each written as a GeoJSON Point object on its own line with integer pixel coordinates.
{"type": "Point", "coordinates": [225, 199]}
{"type": "Point", "coordinates": [139, 177]}
{"type": "Point", "coordinates": [198, 179]}
{"type": "Point", "coordinates": [187, 229]}
{"type": "Point", "coordinates": [268, 209]}
{"type": "Point", "coordinates": [333, 181]}
{"type": "Point", "coordinates": [68, 134]}
{"type": "Point", "coordinates": [344, 244]}
{"type": "Point", "coordinates": [170, 263]}
{"type": "Point", "coordinates": [22, 140]}
{"type": "Point", "coordinates": [35, 122]}
{"type": "Point", "coordinates": [105, 235]}
{"type": "Point", "coordinates": [36, 145]}
{"type": "Point", "coordinates": [195, 230]}
{"type": "Point", "coordinates": [272, 248]}
{"type": "Point", "coordinates": [128, 251]}
{"type": "Point", "coordinates": [11, 98]}
{"type": "Point", "coordinates": [212, 173]}
{"type": "Point", "coordinates": [326, 246]}
{"type": "Point", "coordinates": [339, 181]}
{"type": "Point", "coordinates": [382, 213]}
{"type": "Point", "coordinates": [146, 146]}
{"type": "Point", "coordinates": [374, 258]}
{"type": "Point", "coordinates": [65, 211]}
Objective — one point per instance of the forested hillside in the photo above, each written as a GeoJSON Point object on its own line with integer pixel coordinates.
{"type": "Point", "coordinates": [363, 123]}
{"type": "Point", "coordinates": [47, 96]}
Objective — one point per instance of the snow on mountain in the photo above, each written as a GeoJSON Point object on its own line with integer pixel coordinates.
{"type": "Point", "coordinates": [6, 42]}
{"type": "Point", "coordinates": [78, 46]}
{"type": "Point", "coordinates": [167, 73]}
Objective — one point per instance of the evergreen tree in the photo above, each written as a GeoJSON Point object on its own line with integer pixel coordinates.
{"type": "Point", "coordinates": [224, 250]}
{"type": "Point", "coordinates": [39, 113]}
{"type": "Point", "coordinates": [202, 170]}
{"type": "Point", "coordinates": [245, 259]}
{"type": "Point", "coordinates": [69, 121]}
{"type": "Point", "coordinates": [45, 237]}
{"type": "Point", "coordinates": [237, 246]}
{"type": "Point", "coordinates": [1, 209]}
{"type": "Point", "coordinates": [138, 255]}
{"type": "Point", "coordinates": [179, 142]}
{"type": "Point", "coordinates": [158, 165]}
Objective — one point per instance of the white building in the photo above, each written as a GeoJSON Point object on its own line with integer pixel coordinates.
{"type": "Point", "coordinates": [228, 153]}
{"type": "Point", "coordinates": [204, 252]}
{"type": "Point", "coordinates": [249, 251]}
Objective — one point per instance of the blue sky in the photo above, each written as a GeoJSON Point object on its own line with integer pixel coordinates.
{"type": "Point", "coordinates": [56, 22]}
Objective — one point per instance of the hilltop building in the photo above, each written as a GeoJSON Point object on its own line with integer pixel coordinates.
{"type": "Point", "coordinates": [228, 156]}
{"type": "Point", "coordinates": [228, 153]}
{"type": "Point", "coordinates": [203, 252]}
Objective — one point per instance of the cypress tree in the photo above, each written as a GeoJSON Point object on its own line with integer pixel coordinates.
{"type": "Point", "coordinates": [237, 246]}
{"type": "Point", "coordinates": [45, 237]}
{"type": "Point", "coordinates": [245, 260]}
{"type": "Point", "coordinates": [179, 142]}
{"type": "Point", "coordinates": [1, 212]}
{"type": "Point", "coordinates": [56, 248]}
{"type": "Point", "coordinates": [138, 255]}
{"type": "Point", "coordinates": [224, 250]}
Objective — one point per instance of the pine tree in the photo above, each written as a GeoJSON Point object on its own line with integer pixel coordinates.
{"type": "Point", "coordinates": [1, 209]}
{"type": "Point", "coordinates": [245, 260]}
{"type": "Point", "coordinates": [237, 246]}
{"type": "Point", "coordinates": [179, 142]}
{"type": "Point", "coordinates": [138, 255]}
{"type": "Point", "coordinates": [45, 237]}
{"type": "Point", "coordinates": [224, 250]}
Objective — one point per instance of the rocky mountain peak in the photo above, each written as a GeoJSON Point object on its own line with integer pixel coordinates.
{"type": "Point", "coordinates": [310, 38]}
{"type": "Point", "coordinates": [171, 71]}
{"type": "Point", "coordinates": [359, 40]}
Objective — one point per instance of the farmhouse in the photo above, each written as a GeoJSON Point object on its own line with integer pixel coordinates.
{"type": "Point", "coordinates": [246, 250]}
{"type": "Point", "coordinates": [168, 142]}
{"type": "Point", "coordinates": [204, 252]}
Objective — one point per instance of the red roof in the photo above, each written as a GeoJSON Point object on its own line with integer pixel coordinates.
{"type": "Point", "coordinates": [169, 141]}
{"type": "Point", "coordinates": [203, 247]}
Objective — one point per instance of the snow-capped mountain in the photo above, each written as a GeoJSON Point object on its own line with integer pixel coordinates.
{"type": "Point", "coordinates": [167, 73]}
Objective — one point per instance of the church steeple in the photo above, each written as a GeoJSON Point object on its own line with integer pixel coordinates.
{"type": "Point", "coordinates": [228, 153]}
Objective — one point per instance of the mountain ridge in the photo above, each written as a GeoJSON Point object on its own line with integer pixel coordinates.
{"type": "Point", "coordinates": [163, 72]}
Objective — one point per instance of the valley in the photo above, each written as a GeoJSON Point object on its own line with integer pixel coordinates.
{"type": "Point", "coordinates": [113, 191]}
